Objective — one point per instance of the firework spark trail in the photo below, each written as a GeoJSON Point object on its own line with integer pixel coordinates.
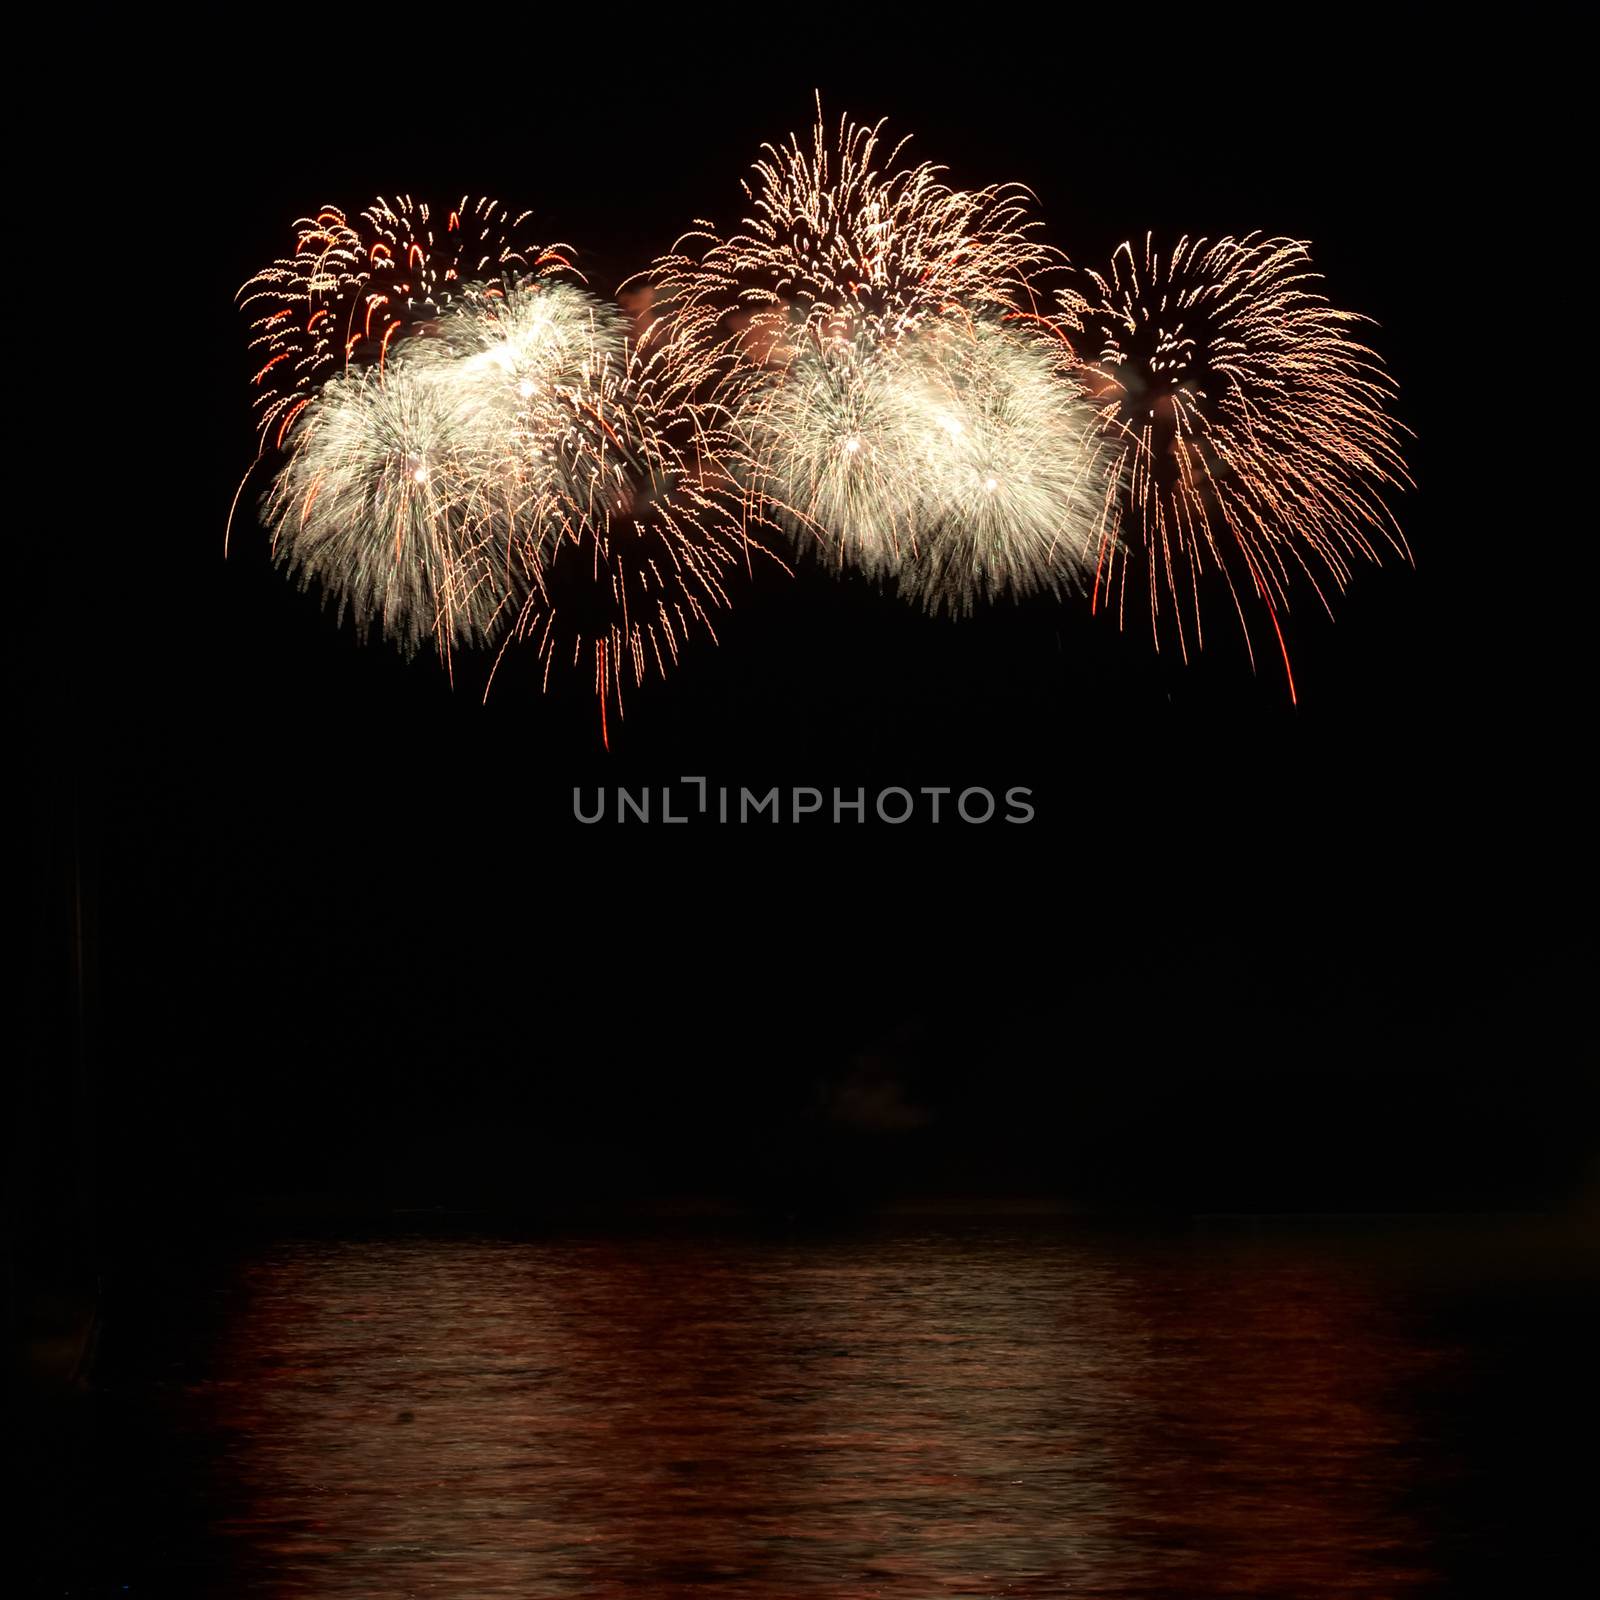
{"type": "Point", "coordinates": [1249, 429]}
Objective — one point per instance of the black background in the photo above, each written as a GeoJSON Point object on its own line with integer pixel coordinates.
{"type": "Point", "coordinates": [342, 941]}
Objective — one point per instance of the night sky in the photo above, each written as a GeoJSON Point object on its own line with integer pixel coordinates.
{"type": "Point", "coordinates": [345, 946]}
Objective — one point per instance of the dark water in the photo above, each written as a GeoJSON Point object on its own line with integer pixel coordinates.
{"type": "Point", "coordinates": [920, 1412]}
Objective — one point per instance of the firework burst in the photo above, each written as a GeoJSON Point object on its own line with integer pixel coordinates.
{"type": "Point", "coordinates": [415, 494]}
{"type": "Point", "coordinates": [880, 359]}
{"type": "Point", "coordinates": [518, 468]}
{"type": "Point", "coordinates": [471, 449]}
{"type": "Point", "coordinates": [833, 450]}
{"type": "Point", "coordinates": [514, 361]}
{"type": "Point", "coordinates": [381, 503]}
{"type": "Point", "coordinates": [844, 243]}
{"type": "Point", "coordinates": [960, 460]}
{"type": "Point", "coordinates": [1015, 467]}
{"type": "Point", "coordinates": [1249, 430]}
{"type": "Point", "coordinates": [638, 523]}
{"type": "Point", "coordinates": [348, 292]}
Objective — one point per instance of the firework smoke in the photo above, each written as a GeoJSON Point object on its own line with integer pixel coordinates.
{"type": "Point", "coordinates": [1249, 429]}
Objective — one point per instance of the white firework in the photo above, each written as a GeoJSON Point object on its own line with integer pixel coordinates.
{"type": "Point", "coordinates": [513, 346]}
{"type": "Point", "coordinates": [1015, 469]}
{"type": "Point", "coordinates": [834, 450]}
{"type": "Point", "coordinates": [879, 352]}
{"type": "Point", "coordinates": [516, 361]}
{"type": "Point", "coordinates": [963, 461]}
{"type": "Point", "coordinates": [382, 504]}
{"type": "Point", "coordinates": [415, 495]}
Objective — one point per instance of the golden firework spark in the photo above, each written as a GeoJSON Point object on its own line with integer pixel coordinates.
{"type": "Point", "coordinates": [1250, 431]}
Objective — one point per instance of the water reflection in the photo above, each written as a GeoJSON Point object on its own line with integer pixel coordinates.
{"type": "Point", "coordinates": [927, 1414]}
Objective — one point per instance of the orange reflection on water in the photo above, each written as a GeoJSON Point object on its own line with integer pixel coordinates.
{"type": "Point", "coordinates": [922, 1414]}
